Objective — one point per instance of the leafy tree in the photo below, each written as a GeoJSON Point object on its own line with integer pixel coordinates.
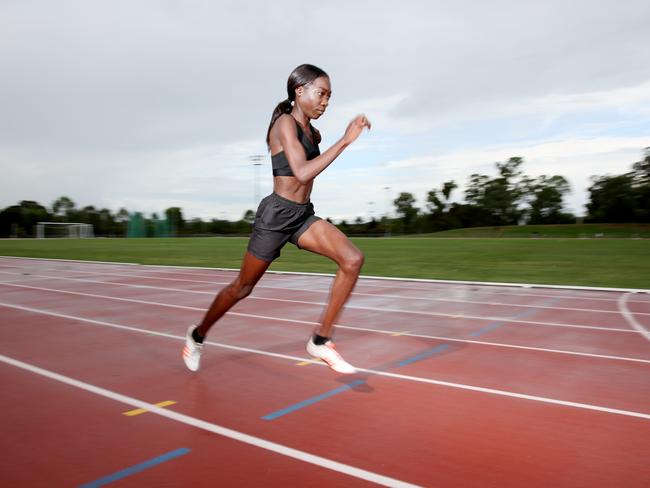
{"type": "Point", "coordinates": [63, 206]}
{"type": "Point", "coordinates": [434, 204]}
{"type": "Point", "coordinates": [372, 227]}
{"type": "Point", "coordinates": [196, 226]}
{"type": "Point", "coordinates": [475, 191]}
{"type": "Point", "coordinates": [106, 224]}
{"type": "Point", "coordinates": [23, 217]}
{"type": "Point", "coordinates": [612, 199]}
{"type": "Point", "coordinates": [466, 215]}
{"type": "Point", "coordinates": [10, 218]}
{"type": "Point", "coordinates": [175, 217]}
{"type": "Point", "coordinates": [546, 200]}
{"type": "Point", "coordinates": [438, 206]}
{"type": "Point", "coordinates": [122, 215]}
{"type": "Point", "coordinates": [622, 198]}
{"type": "Point", "coordinates": [101, 220]}
{"type": "Point", "coordinates": [447, 188]}
{"type": "Point", "coordinates": [500, 196]}
{"type": "Point", "coordinates": [641, 186]}
{"type": "Point", "coordinates": [405, 208]}
{"type": "Point", "coordinates": [249, 216]}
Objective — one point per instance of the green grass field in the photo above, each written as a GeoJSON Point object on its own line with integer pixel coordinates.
{"type": "Point", "coordinates": [570, 230]}
{"type": "Point", "coordinates": [591, 262]}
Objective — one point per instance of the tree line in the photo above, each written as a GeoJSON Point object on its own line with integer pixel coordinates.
{"type": "Point", "coordinates": [509, 198]}
{"type": "Point", "coordinates": [20, 220]}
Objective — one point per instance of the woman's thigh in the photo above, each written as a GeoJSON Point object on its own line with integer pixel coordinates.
{"type": "Point", "coordinates": [325, 239]}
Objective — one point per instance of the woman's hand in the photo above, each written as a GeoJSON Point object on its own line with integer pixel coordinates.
{"type": "Point", "coordinates": [355, 128]}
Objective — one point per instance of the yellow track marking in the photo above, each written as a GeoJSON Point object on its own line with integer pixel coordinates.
{"type": "Point", "coordinates": [138, 411]}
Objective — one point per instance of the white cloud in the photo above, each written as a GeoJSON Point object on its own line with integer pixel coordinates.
{"type": "Point", "coordinates": [152, 104]}
{"type": "Point", "coordinates": [575, 159]}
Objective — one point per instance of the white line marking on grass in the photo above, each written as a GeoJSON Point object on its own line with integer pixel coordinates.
{"type": "Point", "coordinates": [294, 359]}
{"type": "Point", "coordinates": [349, 327]}
{"type": "Point", "coordinates": [320, 304]}
{"type": "Point", "coordinates": [622, 305]}
{"type": "Point", "coordinates": [214, 428]}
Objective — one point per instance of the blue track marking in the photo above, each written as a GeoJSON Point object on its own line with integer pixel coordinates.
{"type": "Point", "coordinates": [520, 315]}
{"type": "Point", "coordinates": [424, 355]}
{"type": "Point", "coordinates": [137, 468]}
{"type": "Point", "coordinates": [485, 329]}
{"type": "Point", "coordinates": [312, 400]}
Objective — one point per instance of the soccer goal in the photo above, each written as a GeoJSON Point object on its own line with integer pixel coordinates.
{"type": "Point", "coordinates": [69, 230]}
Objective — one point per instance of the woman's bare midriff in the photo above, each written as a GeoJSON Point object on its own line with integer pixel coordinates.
{"type": "Point", "coordinates": [290, 188]}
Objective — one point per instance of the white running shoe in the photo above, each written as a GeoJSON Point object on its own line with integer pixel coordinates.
{"type": "Point", "coordinates": [328, 355]}
{"type": "Point", "coordinates": [192, 350]}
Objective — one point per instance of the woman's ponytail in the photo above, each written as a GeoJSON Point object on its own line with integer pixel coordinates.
{"type": "Point", "coordinates": [283, 107]}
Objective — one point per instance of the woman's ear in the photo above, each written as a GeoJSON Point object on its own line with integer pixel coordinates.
{"type": "Point", "coordinates": [299, 91]}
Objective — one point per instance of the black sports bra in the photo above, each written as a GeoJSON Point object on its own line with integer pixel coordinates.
{"type": "Point", "coordinates": [279, 161]}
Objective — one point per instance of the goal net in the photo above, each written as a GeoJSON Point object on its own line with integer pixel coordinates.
{"type": "Point", "coordinates": [69, 230]}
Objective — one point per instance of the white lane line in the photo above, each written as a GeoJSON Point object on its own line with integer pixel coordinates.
{"type": "Point", "coordinates": [433, 281]}
{"type": "Point", "coordinates": [349, 327]}
{"type": "Point", "coordinates": [321, 304]}
{"type": "Point", "coordinates": [294, 359]}
{"type": "Point", "coordinates": [622, 305]}
{"type": "Point", "coordinates": [324, 291]}
{"type": "Point", "coordinates": [485, 284]}
{"type": "Point", "coordinates": [359, 328]}
{"type": "Point", "coordinates": [214, 428]}
{"type": "Point", "coordinates": [364, 282]}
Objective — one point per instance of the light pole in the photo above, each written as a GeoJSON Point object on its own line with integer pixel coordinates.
{"type": "Point", "coordinates": [387, 190]}
{"type": "Point", "coordinates": [370, 204]}
{"type": "Point", "coordinates": [256, 159]}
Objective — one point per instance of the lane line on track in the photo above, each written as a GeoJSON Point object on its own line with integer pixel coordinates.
{"type": "Point", "coordinates": [354, 307]}
{"type": "Point", "coordinates": [214, 428]}
{"type": "Point", "coordinates": [622, 305]}
{"type": "Point", "coordinates": [363, 277]}
{"type": "Point", "coordinates": [413, 359]}
{"type": "Point", "coordinates": [418, 379]}
{"type": "Point", "coordinates": [354, 328]}
{"type": "Point", "coordinates": [137, 468]}
{"type": "Point", "coordinates": [363, 281]}
{"type": "Point", "coordinates": [372, 295]}
{"type": "Point", "coordinates": [285, 288]}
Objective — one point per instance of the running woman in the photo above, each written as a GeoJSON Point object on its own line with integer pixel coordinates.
{"type": "Point", "coordinates": [287, 214]}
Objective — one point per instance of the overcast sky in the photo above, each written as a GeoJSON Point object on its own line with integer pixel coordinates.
{"type": "Point", "coordinates": [153, 104]}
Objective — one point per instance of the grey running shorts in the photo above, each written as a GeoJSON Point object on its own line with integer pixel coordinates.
{"type": "Point", "coordinates": [277, 222]}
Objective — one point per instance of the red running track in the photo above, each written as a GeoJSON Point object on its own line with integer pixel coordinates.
{"type": "Point", "coordinates": [459, 385]}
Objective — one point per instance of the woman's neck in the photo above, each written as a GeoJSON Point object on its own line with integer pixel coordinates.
{"type": "Point", "coordinates": [300, 117]}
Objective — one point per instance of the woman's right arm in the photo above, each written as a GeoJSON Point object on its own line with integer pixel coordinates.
{"type": "Point", "coordinates": [304, 170]}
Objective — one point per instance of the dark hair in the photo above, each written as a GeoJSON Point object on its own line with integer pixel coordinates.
{"type": "Point", "coordinates": [301, 76]}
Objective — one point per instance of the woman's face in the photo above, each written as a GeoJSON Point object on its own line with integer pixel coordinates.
{"type": "Point", "coordinates": [314, 97]}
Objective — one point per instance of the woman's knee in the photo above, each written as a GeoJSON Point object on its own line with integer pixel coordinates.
{"type": "Point", "coordinates": [353, 261]}
{"type": "Point", "coordinates": [241, 289]}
